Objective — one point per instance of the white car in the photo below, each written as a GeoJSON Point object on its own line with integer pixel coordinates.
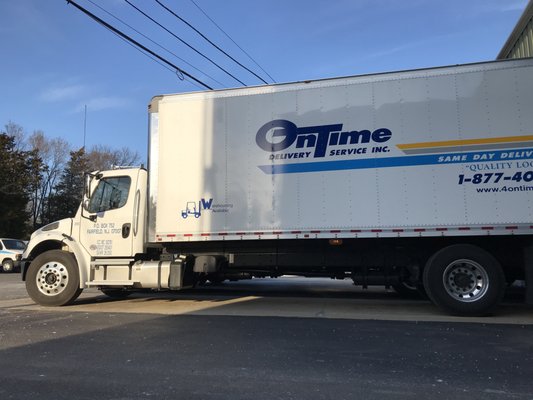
{"type": "Point", "coordinates": [10, 254]}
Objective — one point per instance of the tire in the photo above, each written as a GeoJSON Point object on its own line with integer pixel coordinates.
{"type": "Point", "coordinates": [116, 293]}
{"type": "Point", "coordinates": [8, 266]}
{"type": "Point", "coordinates": [53, 279]}
{"type": "Point", "coordinates": [464, 280]}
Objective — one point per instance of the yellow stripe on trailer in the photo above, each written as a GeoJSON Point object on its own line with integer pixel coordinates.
{"type": "Point", "coordinates": [466, 142]}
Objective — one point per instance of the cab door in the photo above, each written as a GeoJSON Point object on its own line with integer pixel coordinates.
{"type": "Point", "coordinates": [110, 221]}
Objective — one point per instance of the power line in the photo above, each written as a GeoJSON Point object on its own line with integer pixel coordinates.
{"type": "Point", "coordinates": [209, 41]}
{"type": "Point", "coordinates": [148, 55]}
{"type": "Point", "coordinates": [154, 42]}
{"type": "Point", "coordinates": [184, 42]}
{"type": "Point", "coordinates": [234, 42]}
{"type": "Point", "coordinates": [118, 32]}
{"type": "Point", "coordinates": [178, 72]}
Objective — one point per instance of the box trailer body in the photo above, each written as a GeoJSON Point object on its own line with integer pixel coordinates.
{"type": "Point", "coordinates": [414, 178]}
{"type": "Point", "coordinates": [346, 157]}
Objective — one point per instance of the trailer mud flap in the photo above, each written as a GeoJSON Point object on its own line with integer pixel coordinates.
{"type": "Point", "coordinates": [528, 265]}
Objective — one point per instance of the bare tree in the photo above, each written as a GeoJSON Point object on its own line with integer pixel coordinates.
{"type": "Point", "coordinates": [47, 160]}
{"type": "Point", "coordinates": [17, 132]}
{"type": "Point", "coordinates": [102, 157]}
{"type": "Point", "coordinates": [54, 154]}
{"type": "Point", "coordinates": [127, 157]}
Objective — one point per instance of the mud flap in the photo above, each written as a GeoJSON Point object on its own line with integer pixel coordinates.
{"type": "Point", "coordinates": [528, 266]}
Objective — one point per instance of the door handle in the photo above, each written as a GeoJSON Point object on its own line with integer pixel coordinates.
{"type": "Point", "coordinates": [126, 228]}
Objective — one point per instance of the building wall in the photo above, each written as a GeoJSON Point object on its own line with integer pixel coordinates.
{"type": "Point", "coordinates": [520, 42]}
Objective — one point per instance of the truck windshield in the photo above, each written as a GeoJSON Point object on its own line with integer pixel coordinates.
{"type": "Point", "coordinates": [11, 244]}
{"type": "Point", "coordinates": [110, 194]}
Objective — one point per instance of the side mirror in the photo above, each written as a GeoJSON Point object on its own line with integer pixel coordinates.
{"type": "Point", "coordinates": [88, 178]}
{"type": "Point", "coordinates": [87, 186]}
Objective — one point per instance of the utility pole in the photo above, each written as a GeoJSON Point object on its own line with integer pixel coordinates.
{"type": "Point", "coordinates": [85, 126]}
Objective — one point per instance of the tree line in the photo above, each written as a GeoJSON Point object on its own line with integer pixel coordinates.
{"type": "Point", "coordinates": [41, 178]}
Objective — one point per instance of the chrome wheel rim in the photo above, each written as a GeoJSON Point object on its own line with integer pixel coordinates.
{"type": "Point", "coordinates": [466, 280]}
{"type": "Point", "coordinates": [52, 278]}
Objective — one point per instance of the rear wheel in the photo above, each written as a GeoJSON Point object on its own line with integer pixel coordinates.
{"type": "Point", "coordinates": [53, 279]}
{"type": "Point", "coordinates": [464, 280]}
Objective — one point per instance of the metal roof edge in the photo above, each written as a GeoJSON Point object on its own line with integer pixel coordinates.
{"type": "Point", "coordinates": [526, 16]}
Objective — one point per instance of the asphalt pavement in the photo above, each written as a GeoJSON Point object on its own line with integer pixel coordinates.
{"type": "Point", "coordinates": [145, 347]}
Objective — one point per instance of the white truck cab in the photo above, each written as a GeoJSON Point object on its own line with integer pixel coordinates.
{"type": "Point", "coordinates": [105, 234]}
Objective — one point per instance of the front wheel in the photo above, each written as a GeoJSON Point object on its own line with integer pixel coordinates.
{"type": "Point", "coordinates": [53, 279]}
{"type": "Point", "coordinates": [8, 266]}
{"type": "Point", "coordinates": [464, 280]}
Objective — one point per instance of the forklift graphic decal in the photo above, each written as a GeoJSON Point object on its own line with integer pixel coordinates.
{"type": "Point", "coordinates": [193, 208]}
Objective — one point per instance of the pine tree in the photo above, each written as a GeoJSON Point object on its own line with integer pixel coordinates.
{"type": "Point", "coordinates": [16, 180]}
{"type": "Point", "coordinates": [68, 193]}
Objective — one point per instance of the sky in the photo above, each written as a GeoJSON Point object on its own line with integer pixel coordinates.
{"type": "Point", "coordinates": [55, 60]}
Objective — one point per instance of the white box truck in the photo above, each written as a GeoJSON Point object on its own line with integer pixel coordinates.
{"type": "Point", "coordinates": [409, 179]}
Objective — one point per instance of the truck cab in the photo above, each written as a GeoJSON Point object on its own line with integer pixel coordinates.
{"type": "Point", "coordinates": [96, 246]}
